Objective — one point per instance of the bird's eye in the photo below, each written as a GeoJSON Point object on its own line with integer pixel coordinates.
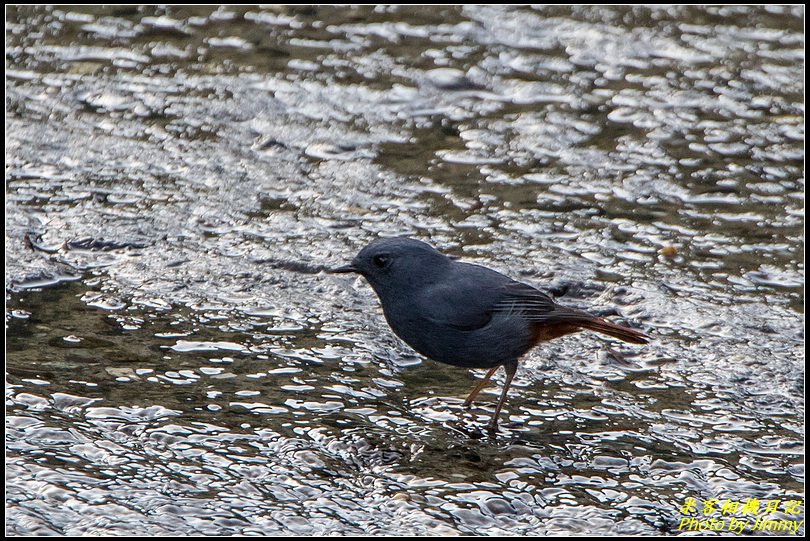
{"type": "Point", "coordinates": [381, 261]}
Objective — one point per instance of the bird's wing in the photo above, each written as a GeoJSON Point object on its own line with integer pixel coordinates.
{"type": "Point", "coordinates": [534, 305]}
{"type": "Point", "coordinates": [469, 298]}
{"type": "Point", "coordinates": [473, 295]}
{"type": "Point", "coordinates": [466, 299]}
{"type": "Point", "coordinates": [458, 306]}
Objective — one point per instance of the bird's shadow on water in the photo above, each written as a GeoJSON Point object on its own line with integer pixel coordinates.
{"type": "Point", "coordinates": [437, 394]}
{"type": "Point", "coordinates": [553, 421]}
{"type": "Point", "coordinates": [528, 424]}
{"type": "Point", "coordinates": [463, 451]}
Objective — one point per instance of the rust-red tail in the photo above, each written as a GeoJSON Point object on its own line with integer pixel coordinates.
{"type": "Point", "coordinates": [616, 331]}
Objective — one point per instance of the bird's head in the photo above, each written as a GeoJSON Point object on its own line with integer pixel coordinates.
{"type": "Point", "coordinates": [398, 264]}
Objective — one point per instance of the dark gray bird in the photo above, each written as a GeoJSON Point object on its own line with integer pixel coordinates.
{"type": "Point", "coordinates": [467, 315]}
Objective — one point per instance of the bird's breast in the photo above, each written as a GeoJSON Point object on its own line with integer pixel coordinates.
{"type": "Point", "coordinates": [500, 341]}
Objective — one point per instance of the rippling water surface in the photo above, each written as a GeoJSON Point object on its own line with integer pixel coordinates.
{"type": "Point", "coordinates": [177, 179]}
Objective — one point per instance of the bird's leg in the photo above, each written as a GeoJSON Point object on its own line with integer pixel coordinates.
{"type": "Point", "coordinates": [510, 368]}
{"type": "Point", "coordinates": [474, 393]}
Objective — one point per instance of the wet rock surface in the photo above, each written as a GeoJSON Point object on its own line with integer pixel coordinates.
{"type": "Point", "coordinates": [178, 178]}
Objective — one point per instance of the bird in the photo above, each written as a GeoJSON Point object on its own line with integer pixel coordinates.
{"type": "Point", "coordinates": [467, 315]}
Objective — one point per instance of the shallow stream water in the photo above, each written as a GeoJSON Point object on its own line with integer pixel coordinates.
{"type": "Point", "coordinates": [178, 178]}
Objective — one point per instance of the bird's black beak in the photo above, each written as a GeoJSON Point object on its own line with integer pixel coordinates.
{"type": "Point", "coordinates": [342, 270]}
